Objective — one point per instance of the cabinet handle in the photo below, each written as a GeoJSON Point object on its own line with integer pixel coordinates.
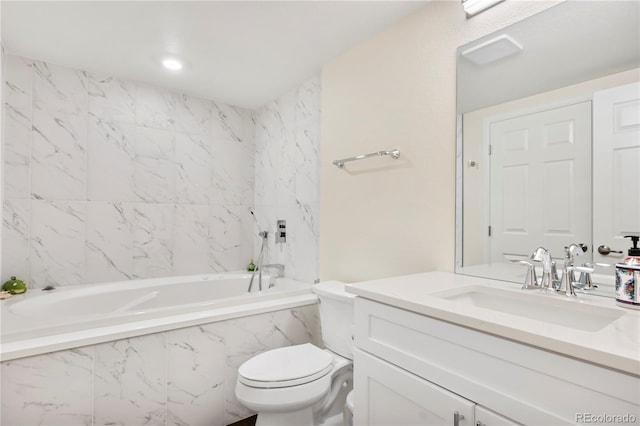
{"type": "Point", "coordinates": [456, 418]}
{"type": "Point", "coordinates": [479, 423]}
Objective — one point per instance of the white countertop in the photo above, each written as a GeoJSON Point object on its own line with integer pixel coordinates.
{"type": "Point", "coordinates": [616, 346]}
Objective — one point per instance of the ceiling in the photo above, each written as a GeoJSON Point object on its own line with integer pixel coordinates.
{"type": "Point", "coordinates": [244, 53]}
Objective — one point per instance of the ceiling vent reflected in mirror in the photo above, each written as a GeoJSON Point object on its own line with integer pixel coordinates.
{"type": "Point", "coordinates": [473, 7]}
{"type": "Point", "coordinates": [492, 50]}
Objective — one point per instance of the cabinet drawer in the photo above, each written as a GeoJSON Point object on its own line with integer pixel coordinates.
{"type": "Point", "coordinates": [387, 395]}
{"type": "Point", "coordinates": [526, 384]}
{"type": "Point", "coordinates": [486, 417]}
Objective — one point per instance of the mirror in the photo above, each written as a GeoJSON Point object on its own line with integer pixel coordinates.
{"type": "Point", "coordinates": [539, 104]}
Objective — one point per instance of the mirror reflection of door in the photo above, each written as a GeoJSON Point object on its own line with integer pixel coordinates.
{"type": "Point", "coordinates": [616, 173]}
{"type": "Point", "coordinates": [540, 168]}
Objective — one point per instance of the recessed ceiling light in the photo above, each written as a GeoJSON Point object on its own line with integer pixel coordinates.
{"type": "Point", "coordinates": [172, 64]}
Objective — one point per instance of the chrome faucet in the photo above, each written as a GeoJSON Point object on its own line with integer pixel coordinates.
{"type": "Point", "coordinates": [568, 276]}
{"type": "Point", "coordinates": [550, 279]}
{"type": "Point", "coordinates": [530, 279]}
{"type": "Point", "coordinates": [569, 283]}
{"type": "Point", "coordinates": [278, 267]}
{"type": "Point", "coordinates": [571, 251]}
{"type": "Point", "coordinates": [585, 282]}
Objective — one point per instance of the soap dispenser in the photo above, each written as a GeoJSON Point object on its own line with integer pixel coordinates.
{"type": "Point", "coordinates": [628, 277]}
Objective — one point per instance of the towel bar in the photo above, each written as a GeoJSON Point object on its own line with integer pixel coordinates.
{"type": "Point", "coordinates": [393, 153]}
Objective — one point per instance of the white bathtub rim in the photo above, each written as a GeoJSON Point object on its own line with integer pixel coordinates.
{"type": "Point", "coordinates": [39, 326]}
{"type": "Point", "coordinates": [100, 320]}
{"type": "Point", "coordinates": [67, 291]}
{"type": "Point", "coordinates": [70, 340]}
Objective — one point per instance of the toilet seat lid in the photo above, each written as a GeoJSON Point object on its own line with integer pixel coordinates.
{"type": "Point", "coordinates": [286, 366]}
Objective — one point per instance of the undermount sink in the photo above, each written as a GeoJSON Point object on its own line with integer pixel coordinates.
{"type": "Point", "coordinates": [545, 308]}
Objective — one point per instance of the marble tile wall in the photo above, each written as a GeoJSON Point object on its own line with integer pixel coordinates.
{"type": "Point", "coordinates": [107, 179]}
{"type": "Point", "coordinates": [287, 184]}
{"type": "Point", "coordinates": [183, 377]}
{"type": "Point", "coordinates": [2, 119]}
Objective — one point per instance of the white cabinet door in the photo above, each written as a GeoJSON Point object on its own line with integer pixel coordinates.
{"type": "Point", "coordinates": [386, 395]}
{"type": "Point", "coordinates": [540, 181]}
{"type": "Point", "coordinates": [486, 417]}
{"type": "Point", "coordinates": [616, 169]}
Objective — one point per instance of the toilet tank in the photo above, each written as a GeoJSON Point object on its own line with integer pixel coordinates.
{"type": "Point", "coordinates": [336, 317]}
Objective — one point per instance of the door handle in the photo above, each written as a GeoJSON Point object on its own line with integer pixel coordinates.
{"type": "Point", "coordinates": [456, 418]}
{"type": "Point", "coordinates": [605, 250]}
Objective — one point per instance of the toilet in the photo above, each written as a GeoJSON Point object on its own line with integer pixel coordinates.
{"type": "Point", "coordinates": [304, 385]}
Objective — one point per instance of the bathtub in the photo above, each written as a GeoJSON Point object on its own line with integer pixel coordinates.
{"type": "Point", "coordinates": [73, 316]}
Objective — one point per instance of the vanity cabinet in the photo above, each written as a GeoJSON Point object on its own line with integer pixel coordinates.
{"type": "Point", "coordinates": [411, 369]}
{"type": "Point", "coordinates": [397, 397]}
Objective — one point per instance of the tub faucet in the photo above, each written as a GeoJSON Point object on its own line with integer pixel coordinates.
{"type": "Point", "coordinates": [278, 267]}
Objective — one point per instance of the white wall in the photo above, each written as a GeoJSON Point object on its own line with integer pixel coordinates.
{"type": "Point", "coordinates": [397, 90]}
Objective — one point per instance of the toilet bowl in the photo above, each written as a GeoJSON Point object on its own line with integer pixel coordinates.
{"type": "Point", "coordinates": [303, 385]}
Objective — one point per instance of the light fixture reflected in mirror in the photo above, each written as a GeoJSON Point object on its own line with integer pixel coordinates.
{"type": "Point", "coordinates": [473, 7]}
{"type": "Point", "coordinates": [172, 64]}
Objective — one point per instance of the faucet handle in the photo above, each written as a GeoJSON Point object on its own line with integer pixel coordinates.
{"type": "Point", "coordinates": [573, 250]}
{"type": "Point", "coordinates": [585, 282]}
{"type": "Point", "coordinates": [554, 276]}
{"type": "Point", "coordinates": [530, 279]}
{"type": "Point", "coordinates": [567, 281]}
{"type": "Point", "coordinates": [568, 278]}
{"type": "Point", "coordinates": [598, 264]}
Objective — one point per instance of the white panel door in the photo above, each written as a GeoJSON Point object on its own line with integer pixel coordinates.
{"type": "Point", "coordinates": [616, 168]}
{"type": "Point", "coordinates": [540, 181]}
{"type": "Point", "coordinates": [387, 395]}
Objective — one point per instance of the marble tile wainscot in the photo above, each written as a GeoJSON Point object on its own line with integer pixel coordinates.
{"type": "Point", "coordinates": [180, 377]}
